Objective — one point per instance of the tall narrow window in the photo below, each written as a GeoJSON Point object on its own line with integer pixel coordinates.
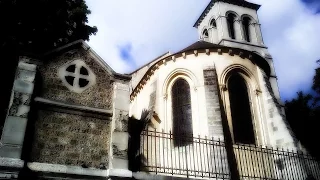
{"type": "Point", "coordinates": [205, 33]}
{"type": "Point", "coordinates": [181, 112]}
{"type": "Point", "coordinates": [246, 29]}
{"type": "Point", "coordinates": [230, 21]}
{"type": "Point", "coordinates": [240, 110]}
{"type": "Point", "coordinates": [213, 23]}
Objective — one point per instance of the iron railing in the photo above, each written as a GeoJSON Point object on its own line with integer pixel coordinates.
{"type": "Point", "coordinates": [203, 157]}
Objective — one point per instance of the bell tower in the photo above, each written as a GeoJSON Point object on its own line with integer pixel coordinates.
{"type": "Point", "coordinates": [232, 23]}
{"type": "Point", "coordinates": [235, 23]}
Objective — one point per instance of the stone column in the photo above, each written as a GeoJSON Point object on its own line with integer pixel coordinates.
{"type": "Point", "coordinates": [253, 34]}
{"type": "Point", "coordinates": [238, 30]}
{"type": "Point", "coordinates": [119, 149]}
{"type": "Point", "coordinates": [15, 124]}
{"type": "Point", "coordinates": [222, 26]}
{"type": "Point", "coordinates": [257, 28]}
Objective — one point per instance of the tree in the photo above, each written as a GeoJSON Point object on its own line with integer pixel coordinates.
{"type": "Point", "coordinates": [303, 115]}
{"type": "Point", "coordinates": [34, 27]}
{"type": "Point", "coordinates": [316, 85]}
{"type": "Point", "coordinates": [37, 26]}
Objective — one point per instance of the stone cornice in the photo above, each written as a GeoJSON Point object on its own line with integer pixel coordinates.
{"type": "Point", "coordinates": [243, 42]}
{"type": "Point", "coordinates": [219, 50]}
{"type": "Point", "coordinates": [51, 105]}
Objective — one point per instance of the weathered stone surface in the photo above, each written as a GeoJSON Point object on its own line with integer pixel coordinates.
{"type": "Point", "coordinates": [97, 96]}
{"type": "Point", "coordinates": [122, 100]}
{"type": "Point", "coordinates": [11, 162]}
{"type": "Point", "coordinates": [120, 139]}
{"type": "Point", "coordinates": [14, 130]}
{"type": "Point", "coordinates": [119, 153]}
{"type": "Point", "coordinates": [9, 151]}
{"type": "Point", "coordinates": [55, 171]}
{"type": "Point", "coordinates": [25, 75]}
{"type": "Point", "coordinates": [121, 120]}
{"type": "Point", "coordinates": [23, 86]}
{"type": "Point", "coordinates": [212, 102]}
{"type": "Point", "coordinates": [71, 140]}
{"type": "Point", "coordinates": [27, 66]}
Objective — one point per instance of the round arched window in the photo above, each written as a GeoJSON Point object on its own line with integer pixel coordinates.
{"type": "Point", "coordinates": [213, 23]}
{"type": "Point", "coordinates": [205, 33]}
{"type": "Point", "coordinates": [76, 76]}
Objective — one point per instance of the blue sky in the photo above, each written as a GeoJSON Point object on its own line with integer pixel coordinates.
{"type": "Point", "coordinates": [133, 32]}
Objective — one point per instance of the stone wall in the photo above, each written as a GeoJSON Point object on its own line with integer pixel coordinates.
{"type": "Point", "coordinates": [280, 133]}
{"type": "Point", "coordinates": [12, 138]}
{"type": "Point", "coordinates": [212, 103]}
{"type": "Point", "coordinates": [71, 140]}
{"type": "Point", "coordinates": [97, 96]}
{"type": "Point", "coordinates": [120, 126]}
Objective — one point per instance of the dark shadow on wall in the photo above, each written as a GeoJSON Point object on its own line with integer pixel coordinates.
{"type": "Point", "coordinates": [135, 128]}
{"type": "Point", "coordinates": [227, 136]}
{"type": "Point", "coordinates": [9, 61]}
{"type": "Point", "coordinates": [279, 107]}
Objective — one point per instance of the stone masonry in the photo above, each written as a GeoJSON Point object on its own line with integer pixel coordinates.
{"type": "Point", "coordinates": [97, 96]}
{"type": "Point", "coordinates": [13, 133]}
{"type": "Point", "coordinates": [212, 103]}
{"type": "Point", "coordinates": [71, 140]}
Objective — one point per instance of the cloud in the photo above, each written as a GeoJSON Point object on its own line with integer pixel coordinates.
{"type": "Point", "coordinates": [313, 4]}
{"type": "Point", "coordinates": [125, 53]}
{"type": "Point", "coordinates": [131, 33]}
{"type": "Point", "coordinates": [152, 28]}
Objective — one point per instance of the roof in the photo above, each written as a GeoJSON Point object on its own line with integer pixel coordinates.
{"type": "Point", "coordinates": [242, 3]}
{"type": "Point", "coordinates": [162, 55]}
{"type": "Point", "coordinates": [200, 45]}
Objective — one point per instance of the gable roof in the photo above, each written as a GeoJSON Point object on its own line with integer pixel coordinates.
{"type": "Point", "coordinates": [242, 3]}
{"type": "Point", "coordinates": [83, 44]}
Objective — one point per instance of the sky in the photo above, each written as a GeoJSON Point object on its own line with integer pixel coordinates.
{"type": "Point", "coordinates": [133, 32]}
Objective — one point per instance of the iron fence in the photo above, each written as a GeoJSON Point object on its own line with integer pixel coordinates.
{"type": "Point", "coordinates": [257, 162]}
{"type": "Point", "coordinates": [203, 157]}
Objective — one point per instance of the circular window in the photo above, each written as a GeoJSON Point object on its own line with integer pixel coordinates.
{"type": "Point", "coordinates": [76, 76]}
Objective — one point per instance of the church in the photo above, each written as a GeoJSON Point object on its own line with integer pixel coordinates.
{"type": "Point", "coordinates": [213, 111]}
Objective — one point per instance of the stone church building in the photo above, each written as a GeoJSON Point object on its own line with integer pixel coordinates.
{"type": "Point", "coordinates": [68, 114]}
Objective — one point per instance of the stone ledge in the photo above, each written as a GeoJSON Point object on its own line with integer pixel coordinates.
{"type": "Point", "coordinates": [27, 66]}
{"type": "Point", "coordinates": [149, 176]}
{"type": "Point", "coordinates": [120, 173]}
{"type": "Point", "coordinates": [10, 151]}
{"type": "Point", "coordinates": [64, 169]}
{"type": "Point", "coordinates": [73, 109]}
{"type": "Point", "coordinates": [11, 163]}
{"type": "Point", "coordinates": [243, 42]}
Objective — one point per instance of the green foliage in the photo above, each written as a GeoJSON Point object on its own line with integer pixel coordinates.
{"type": "Point", "coordinates": [36, 26]}
{"type": "Point", "coordinates": [316, 84]}
{"type": "Point", "coordinates": [303, 115]}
